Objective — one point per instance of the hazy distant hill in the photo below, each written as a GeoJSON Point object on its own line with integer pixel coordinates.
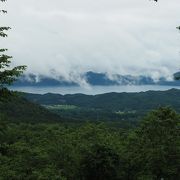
{"type": "Point", "coordinates": [142, 101]}
{"type": "Point", "coordinates": [92, 78]}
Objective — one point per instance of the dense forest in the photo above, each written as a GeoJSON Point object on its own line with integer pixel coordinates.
{"type": "Point", "coordinates": [113, 107]}
{"type": "Point", "coordinates": [57, 150]}
{"type": "Point", "coordinates": [141, 101]}
{"type": "Point", "coordinates": [79, 137]}
{"type": "Point", "coordinates": [37, 144]}
{"type": "Point", "coordinates": [19, 109]}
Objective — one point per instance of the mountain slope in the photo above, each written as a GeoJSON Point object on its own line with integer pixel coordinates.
{"type": "Point", "coordinates": [20, 109]}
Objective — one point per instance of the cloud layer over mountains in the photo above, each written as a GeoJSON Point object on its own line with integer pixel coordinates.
{"type": "Point", "coordinates": [69, 37]}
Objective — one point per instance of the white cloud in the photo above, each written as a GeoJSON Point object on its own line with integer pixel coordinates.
{"type": "Point", "coordinates": [112, 36]}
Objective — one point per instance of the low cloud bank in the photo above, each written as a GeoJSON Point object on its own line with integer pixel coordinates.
{"type": "Point", "coordinates": [67, 38]}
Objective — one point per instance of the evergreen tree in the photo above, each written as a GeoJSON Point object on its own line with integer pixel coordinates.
{"type": "Point", "coordinates": [7, 74]}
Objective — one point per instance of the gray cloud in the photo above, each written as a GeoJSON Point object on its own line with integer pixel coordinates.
{"type": "Point", "coordinates": [70, 37]}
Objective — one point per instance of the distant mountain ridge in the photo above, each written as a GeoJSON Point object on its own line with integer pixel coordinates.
{"type": "Point", "coordinates": [142, 101]}
{"type": "Point", "coordinates": [94, 79]}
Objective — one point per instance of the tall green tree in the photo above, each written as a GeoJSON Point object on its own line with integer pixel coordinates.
{"type": "Point", "coordinates": [101, 163]}
{"type": "Point", "coordinates": [154, 148]}
{"type": "Point", "coordinates": [8, 74]}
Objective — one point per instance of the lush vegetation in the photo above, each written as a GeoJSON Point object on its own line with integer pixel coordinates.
{"type": "Point", "coordinates": [18, 109]}
{"type": "Point", "coordinates": [37, 144]}
{"type": "Point", "coordinates": [78, 114]}
{"type": "Point", "coordinates": [92, 151]}
{"type": "Point", "coordinates": [107, 107]}
{"type": "Point", "coordinates": [142, 101]}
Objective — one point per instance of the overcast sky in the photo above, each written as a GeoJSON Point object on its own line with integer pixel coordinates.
{"type": "Point", "coordinates": [69, 37]}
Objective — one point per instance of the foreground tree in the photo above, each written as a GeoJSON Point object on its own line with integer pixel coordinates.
{"type": "Point", "coordinates": [101, 163]}
{"type": "Point", "coordinates": [154, 148]}
{"type": "Point", "coordinates": [7, 74]}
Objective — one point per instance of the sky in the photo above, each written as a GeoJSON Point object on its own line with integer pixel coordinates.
{"type": "Point", "coordinates": [69, 37]}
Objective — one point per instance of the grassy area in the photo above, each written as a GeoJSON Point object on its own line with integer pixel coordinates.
{"type": "Point", "coordinates": [125, 112]}
{"type": "Point", "coordinates": [60, 107]}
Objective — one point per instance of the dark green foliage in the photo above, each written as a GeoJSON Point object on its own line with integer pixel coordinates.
{"type": "Point", "coordinates": [92, 151]}
{"type": "Point", "coordinates": [100, 163]}
{"type": "Point", "coordinates": [18, 109]}
{"type": "Point", "coordinates": [108, 107]}
{"type": "Point", "coordinates": [143, 101]}
{"type": "Point", "coordinates": [91, 114]}
{"type": "Point", "coordinates": [49, 151]}
{"type": "Point", "coordinates": [3, 127]}
{"type": "Point", "coordinates": [155, 146]}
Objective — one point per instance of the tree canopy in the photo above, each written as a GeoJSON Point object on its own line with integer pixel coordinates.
{"type": "Point", "coordinates": [92, 151]}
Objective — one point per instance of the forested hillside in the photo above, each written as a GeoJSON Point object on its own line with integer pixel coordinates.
{"type": "Point", "coordinates": [17, 108]}
{"type": "Point", "coordinates": [141, 101]}
{"type": "Point", "coordinates": [126, 107]}
{"type": "Point", "coordinates": [92, 151]}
